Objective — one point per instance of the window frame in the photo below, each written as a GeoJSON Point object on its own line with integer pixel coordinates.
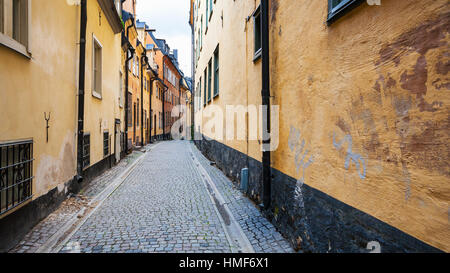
{"type": "Point", "coordinates": [205, 89]}
{"type": "Point", "coordinates": [86, 158]}
{"type": "Point", "coordinates": [257, 31]}
{"type": "Point", "coordinates": [13, 169]}
{"type": "Point", "coordinates": [209, 79]}
{"type": "Point", "coordinates": [106, 143]}
{"type": "Point", "coordinates": [121, 84]}
{"type": "Point", "coordinates": [96, 93]}
{"type": "Point", "coordinates": [336, 12]}
{"type": "Point", "coordinates": [22, 47]}
{"type": "Point", "coordinates": [216, 72]}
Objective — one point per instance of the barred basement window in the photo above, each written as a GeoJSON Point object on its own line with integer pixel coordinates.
{"type": "Point", "coordinates": [86, 150]}
{"type": "Point", "coordinates": [105, 144]}
{"type": "Point", "coordinates": [16, 174]}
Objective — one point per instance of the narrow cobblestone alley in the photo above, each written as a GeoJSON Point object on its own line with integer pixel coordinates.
{"type": "Point", "coordinates": [164, 206]}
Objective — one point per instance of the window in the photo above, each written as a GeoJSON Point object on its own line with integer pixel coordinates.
{"type": "Point", "coordinates": [86, 150]}
{"type": "Point", "coordinates": [118, 6]}
{"type": "Point", "coordinates": [105, 144]}
{"type": "Point", "coordinates": [207, 16]}
{"type": "Point", "coordinates": [120, 89]}
{"type": "Point", "coordinates": [130, 117]}
{"type": "Point", "coordinates": [1, 16]}
{"type": "Point", "coordinates": [210, 9]}
{"type": "Point", "coordinates": [257, 33]}
{"type": "Point", "coordinates": [216, 72]}
{"type": "Point", "coordinates": [209, 79]}
{"type": "Point", "coordinates": [137, 66]}
{"type": "Point", "coordinates": [16, 174]}
{"type": "Point", "coordinates": [97, 68]}
{"type": "Point", "coordinates": [14, 25]}
{"type": "Point", "coordinates": [205, 87]}
{"type": "Point", "coordinates": [337, 8]}
{"type": "Point", "coordinates": [137, 113]}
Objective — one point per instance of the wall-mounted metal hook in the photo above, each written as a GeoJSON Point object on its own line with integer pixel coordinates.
{"type": "Point", "coordinates": [47, 120]}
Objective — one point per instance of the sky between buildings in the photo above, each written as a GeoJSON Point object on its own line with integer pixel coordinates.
{"type": "Point", "coordinates": [170, 18]}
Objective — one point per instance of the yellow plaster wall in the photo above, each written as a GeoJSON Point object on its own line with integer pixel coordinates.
{"type": "Point", "coordinates": [45, 83]}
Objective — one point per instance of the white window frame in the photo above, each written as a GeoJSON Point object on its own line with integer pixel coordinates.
{"type": "Point", "coordinates": [96, 93]}
{"type": "Point", "coordinates": [6, 39]}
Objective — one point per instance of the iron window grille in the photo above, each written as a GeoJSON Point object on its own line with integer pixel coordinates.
{"type": "Point", "coordinates": [16, 174]}
{"type": "Point", "coordinates": [105, 144]}
{"type": "Point", "coordinates": [86, 150]}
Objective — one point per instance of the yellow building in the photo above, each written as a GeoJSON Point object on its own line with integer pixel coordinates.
{"type": "Point", "coordinates": [359, 148]}
{"type": "Point", "coordinates": [44, 86]}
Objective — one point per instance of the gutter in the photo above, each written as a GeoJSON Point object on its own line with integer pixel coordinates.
{"type": "Point", "coordinates": [81, 87]}
{"type": "Point", "coordinates": [265, 93]}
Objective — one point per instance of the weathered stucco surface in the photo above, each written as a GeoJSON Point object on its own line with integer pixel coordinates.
{"type": "Point", "coordinates": [364, 103]}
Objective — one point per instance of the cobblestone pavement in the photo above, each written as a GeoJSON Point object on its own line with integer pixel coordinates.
{"type": "Point", "coordinates": [164, 206]}
{"type": "Point", "coordinates": [262, 234]}
{"type": "Point", "coordinates": [42, 232]}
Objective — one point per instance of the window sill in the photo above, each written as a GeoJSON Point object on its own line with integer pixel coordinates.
{"type": "Point", "coordinates": [258, 55]}
{"type": "Point", "coordinates": [14, 45]}
{"type": "Point", "coordinates": [210, 15]}
{"type": "Point", "coordinates": [206, 30]}
{"type": "Point", "coordinates": [96, 95]}
{"type": "Point", "coordinates": [216, 95]}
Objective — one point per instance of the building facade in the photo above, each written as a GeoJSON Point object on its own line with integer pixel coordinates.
{"type": "Point", "coordinates": [359, 99]}
{"type": "Point", "coordinates": [60, 95]}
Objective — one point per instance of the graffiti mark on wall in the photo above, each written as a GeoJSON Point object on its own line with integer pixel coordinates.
{"type": "Point", "coordinates": [303, 159]}
{"type": "Point", "coordinates": [357, 159]}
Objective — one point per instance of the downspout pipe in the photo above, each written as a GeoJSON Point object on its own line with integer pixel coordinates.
{"type": "Point", "coordinates": [131, 50]}
{"type": "Point", "coordinates": [265, 93]}
{"type": "Point", "coordinates": [81, 87]}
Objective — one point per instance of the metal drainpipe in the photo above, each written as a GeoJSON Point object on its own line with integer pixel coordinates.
{"type": "Point", "coordinates": [267, 179]}
{"type": "Point", "coordinates": [81, 86]}
{"type": "Point", "coordinates": [126, 84]}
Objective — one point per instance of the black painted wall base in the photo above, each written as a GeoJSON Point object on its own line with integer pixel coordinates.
{"type": "Point", "coordinates": [16, 225]}
{"type": "Point", "coordinates": [311, 220]}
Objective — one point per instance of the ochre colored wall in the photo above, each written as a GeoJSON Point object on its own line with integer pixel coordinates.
{"type": "Point", "coordinates": [45, 83]}
{"type": "Point", "coordinates": [371, 89]}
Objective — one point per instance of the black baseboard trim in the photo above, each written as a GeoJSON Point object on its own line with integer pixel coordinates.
{"type": "Point", "coordinates": [313, 221]}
